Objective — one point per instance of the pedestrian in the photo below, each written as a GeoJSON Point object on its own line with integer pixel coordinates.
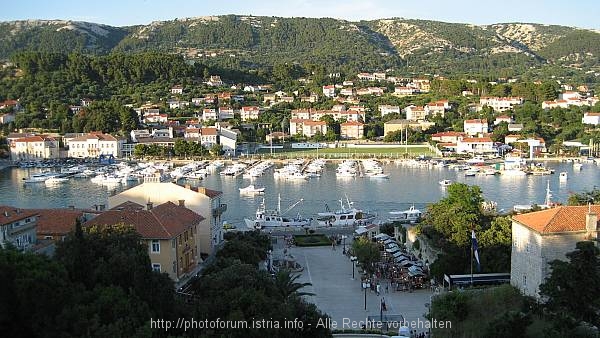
{"type": "Point", "coordinates": [378, 288]}
{"type": "Point", "coordinates": [333, 245]}
{"type": "Point", "coordinates": [387, 289]}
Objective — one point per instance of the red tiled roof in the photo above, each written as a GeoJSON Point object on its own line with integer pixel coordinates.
{"type": "Point", "coordinates": [56, 221]}
{"type": "Point", "coordinates": [478, 121]}
{"type": "Point", "coordinates": [352, 123]}
{"type": "Point", "coordinates": [448, 133]}
{"type": "Point", "coordinates": [164, 221]}
{"type": "Point", "coordinates": [559, 219]}
{"type": "Point", "coordinates": [477, 140]}
{"type": "Point", "coordinates": [208, 131]}
{"type": "Point", "coordinates": [10, 214]}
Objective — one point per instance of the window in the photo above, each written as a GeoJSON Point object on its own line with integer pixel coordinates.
{"type": "Point", "coordinates": [527, 247]}
{"type": "Point", "coordinates": [174, 266]}
{"type": "Point", "coordinates": [155, 246]}
{"type": "Point", "coordinates": [173, 243]}
{"type": "Point", "coordinates": [524, 280]}
{"type": "Point", "coordinates": [515, 242]}
{"type": "Point", "coordinates": [156, 267]}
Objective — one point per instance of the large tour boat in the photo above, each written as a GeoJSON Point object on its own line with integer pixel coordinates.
{"type": "Point", "coordinates": [347, 216]}
{"type": "Point", "coordinates": [266, 218]}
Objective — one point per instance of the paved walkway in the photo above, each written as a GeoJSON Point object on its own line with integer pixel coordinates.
{"type": "Point", "coordinates": [342, 298]}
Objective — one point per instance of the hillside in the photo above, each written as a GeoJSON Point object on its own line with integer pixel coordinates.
{"type": "Point", "coordinates": [250, 42]}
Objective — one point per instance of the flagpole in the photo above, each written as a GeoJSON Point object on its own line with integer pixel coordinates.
{"type": "Point", "coordinates": [471, 262]}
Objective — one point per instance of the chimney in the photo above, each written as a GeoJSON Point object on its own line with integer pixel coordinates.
{"type": "Point", "coordinates": [591, 221]}
{"type": "Point", "coordinates": [182, 203]}
{"type": "Point", "coordinates": [149, 205]}
{"type": "Point", "coordinates": [202, 190]}
{"type": "Point", "coordinates": [101, 207]}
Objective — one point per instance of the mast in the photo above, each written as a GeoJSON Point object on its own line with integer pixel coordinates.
{"type": "Point", "coordinates": [548, 194]}
{"type": "Point", "coordinates": [279, 204]}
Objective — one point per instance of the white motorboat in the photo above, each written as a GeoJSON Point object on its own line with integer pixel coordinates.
{"type": "Point", "coordinates": [563, 176]}
{"type": "Point", "coordinates": [41, 177]}
{"type": "Point", "coordinates": [380, 175]}
{"type": "Point", "coordinates": [346, 216]}
{"type": "Point", "coordinates": [56, 180]}
{"type": "Point", "coordinates": [577, 166]}
{"type": "Point", "coordinates": [251, 189]}
{"type": "Point", "coordinates": [266, 218]}
{"type": "Point", "coordinates": [411, 215]}
{"type": "Point", "coordinates": [445, 183]}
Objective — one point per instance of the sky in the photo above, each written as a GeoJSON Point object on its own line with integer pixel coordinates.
{"type": "Point", "coordinates": [578, 13]}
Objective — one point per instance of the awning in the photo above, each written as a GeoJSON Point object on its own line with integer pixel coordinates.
{"type": "Point", "coordinates": [388, 240]}
{"type": "Point", "coordinates": [392, 250]}
{"type": "Point", "coordinates": [382, 236]}
{"type": "Point", "coordinates": [361, 230]}
{"type": "Point", "coordinates": [398, 254]}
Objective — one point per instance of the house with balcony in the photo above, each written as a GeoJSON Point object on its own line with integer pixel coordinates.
{"type": "Point", "coordinates": [541, 237]}
{"type": "Point", "coordinates": [308, 128]}
{"type": "Point", "coordinates": [329, 91]}
{"type": "Point", "coordinates": [475, 145]}
{"type": "Point", "coordinates": [169, 230]}
{"type": "Point", "coordinates": [18, 227]}
{"type": "Point", "coordinates": [415, 113]}
{"type": "Point", "coordinates": [177, 89]}
{"type": "Point", "coordinates": [93, 145]}
{"type": "Point", "coordinates": [201, 200]}
{"type": "Point", "coordinates": [249, 113]}
{"type": "Point", "coordinates": [499, 104]}
{"type": "Point", "coordinates": [475, 126]}
{"type": "Point", "coordinates": [352, 130]}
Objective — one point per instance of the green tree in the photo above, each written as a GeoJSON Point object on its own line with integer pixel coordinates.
{"type": "Point", "coordinates": [571, 282]}
{"type": "Point", "coordinates": [455, 215]}
{"type": "Point", "coordinates": [287, 287]}
{"type": "Point", "coordinates": [366, 252]}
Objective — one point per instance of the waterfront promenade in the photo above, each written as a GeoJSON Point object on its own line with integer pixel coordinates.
{"type": "Point", "coordinates": [342, 298]}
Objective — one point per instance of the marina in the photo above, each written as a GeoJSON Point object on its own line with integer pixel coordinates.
{"type": "Point", "coordinates": [408, 185]}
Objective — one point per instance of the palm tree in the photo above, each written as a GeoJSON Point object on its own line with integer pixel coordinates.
{"type": "Point", "coordinates": [286, 286]}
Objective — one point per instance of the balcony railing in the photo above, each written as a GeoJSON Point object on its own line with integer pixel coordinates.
{"type": "Point", "coordinates": [220, 209]}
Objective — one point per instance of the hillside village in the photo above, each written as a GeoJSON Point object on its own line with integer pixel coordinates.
{"type": "Point", "coordinates": [228, 115]}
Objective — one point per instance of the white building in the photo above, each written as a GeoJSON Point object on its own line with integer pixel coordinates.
{"type": "Point", "coordinates": [541, 237]}
{"type": "Point", "coordinates": [476, 126]}
{"type": "Point", "coordinates": [415, 113]}
{"type": "Point", "coordinates": [94, 145]}
{"type": "Point", "coordinates": [499, 104]}
{"type": "Point", "coordinates": [329, 91]}
{"type": "Point", "coordinates": [307, 128]}
{"type": "Point", "coordinates": [177, 89]}
{"type": "Point", "coordinates": [137, 134]}
{"type": "Point", "coordinates": [249, 113]}
{"type": "Point", "coordinates": [591, 118]}
{"type": "Point", "coordinates": [388, 109]}
{"type": "Point", "coordinates": [34, 148]}
{"type": "Point", "coordinates": [475, 145]}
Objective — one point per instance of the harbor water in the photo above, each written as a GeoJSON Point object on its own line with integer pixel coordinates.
{"type": "Point", "coordinates": [406, 186]}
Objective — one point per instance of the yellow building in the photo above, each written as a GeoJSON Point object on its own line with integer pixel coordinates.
{"type": "Point", "coordinates": [395, 125]}
{"type": "Point", "coordinates": [169, 230]}
{"type": "Point", "coordinates": [203, 201]}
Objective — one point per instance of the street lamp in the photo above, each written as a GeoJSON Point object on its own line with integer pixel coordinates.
{"type": "Point", "coordinates": [353, 259]}
{"type": "Point", "coordinates": [365, 285]}
{"type": "Point", "coordinates": [343, 242]}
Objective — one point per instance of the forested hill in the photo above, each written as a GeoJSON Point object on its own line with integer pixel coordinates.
{"type": "Point", "coordinates": [248, 41]}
